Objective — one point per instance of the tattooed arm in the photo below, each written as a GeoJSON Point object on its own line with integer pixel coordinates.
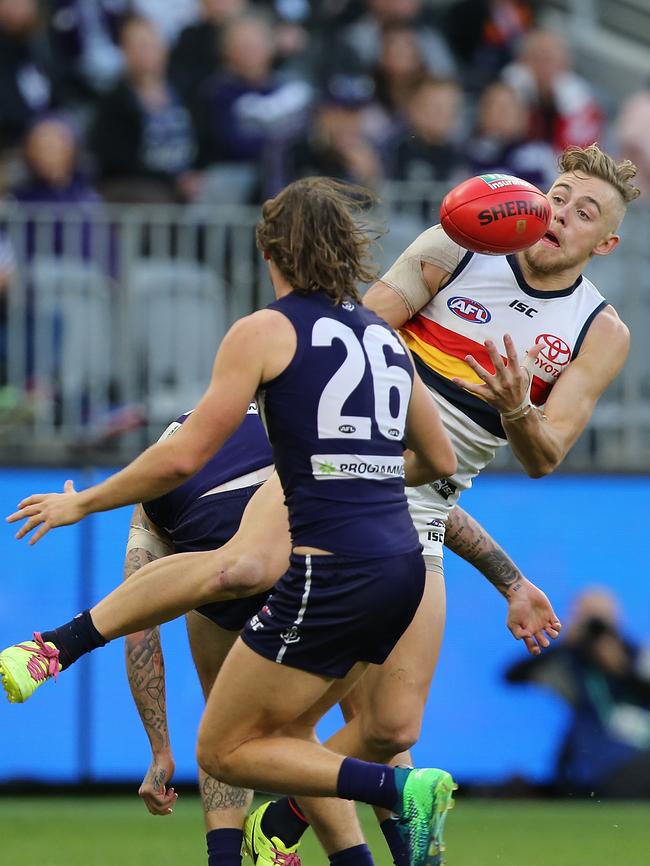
{"type": "Point", "coordinates": [145, 669]}
{"type": "Point", "coordinates": [530, 614]}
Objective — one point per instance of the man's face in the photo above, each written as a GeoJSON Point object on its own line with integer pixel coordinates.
{"type": "Point", "coordinates": [585, 214]}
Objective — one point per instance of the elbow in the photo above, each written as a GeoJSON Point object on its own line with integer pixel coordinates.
{"type": "Point", "coordinates": [541, 469]}
{"type": "Point", "coordinates": [441, 467]}
{"type": "Point", "coordinates": [183, 467]}
{"type": "Point", "coordinates": [446, 464]}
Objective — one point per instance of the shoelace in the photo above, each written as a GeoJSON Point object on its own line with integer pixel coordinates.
{"type": "Point", "coordinates": [283, 859]}
{"type": "Point", "coordinates": [44, 661]}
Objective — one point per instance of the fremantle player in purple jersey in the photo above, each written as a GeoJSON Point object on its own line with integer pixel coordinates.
{"type": "Point", "coordinates": [341, 400]}
{"type": "Point", "coordinates": [202, 514]}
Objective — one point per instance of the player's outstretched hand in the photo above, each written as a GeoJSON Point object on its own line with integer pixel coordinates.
{"type": "Point", "coordinates": [157, 797]}
{"type": "Point", "coordinates": [531, 617]}
{"type": "Point", "coordinates": [47, 510]}
{"type": "Point", "coordinates": [506, 388]}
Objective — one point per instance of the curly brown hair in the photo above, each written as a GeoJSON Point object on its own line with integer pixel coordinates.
{"type": "Point", "coordinates": [314, 232]}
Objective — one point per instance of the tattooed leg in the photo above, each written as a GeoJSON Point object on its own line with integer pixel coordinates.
{"type": "Point", "coordinates": [223, 805]}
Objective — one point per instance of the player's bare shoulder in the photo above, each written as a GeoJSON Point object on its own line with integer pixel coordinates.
{"type": "Point", "coordinates": [261, 331]}
{"type": "Point", "coordinates": [270, 335]}
{"type": "Point", "coordinates": [607, 333]}
{"type": "Point", "coordinates": [605, 347]}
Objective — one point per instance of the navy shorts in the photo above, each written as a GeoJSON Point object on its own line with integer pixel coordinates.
{"type": "Point", "coordinates": [329, 612]}
{"type": "Point", "coordinates": [209, 524]}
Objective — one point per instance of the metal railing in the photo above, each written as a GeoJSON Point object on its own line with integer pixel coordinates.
{"type": "Point", "coordinates": [112, 316]}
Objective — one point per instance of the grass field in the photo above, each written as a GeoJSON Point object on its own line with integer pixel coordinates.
{"type": "Point", "coordinates": [119, 832]}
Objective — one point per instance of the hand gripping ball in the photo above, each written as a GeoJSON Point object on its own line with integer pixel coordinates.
{"type": "Point", "coordinates": [495, 213]}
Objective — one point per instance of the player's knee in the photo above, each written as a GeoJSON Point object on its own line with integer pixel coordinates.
{"type": "Point", "coordinates": [214, 759]}
{"type": "Point", "coordinates": [243, 575]}
{"type": "Point", "coordinates": [207, 759]}
{"type": "Point", "coordinates": [386, 738]}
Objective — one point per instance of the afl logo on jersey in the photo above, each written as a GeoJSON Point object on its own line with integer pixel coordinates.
{"type": "Point", "coordinates": [348, 305]}
{"type": "Point", "coordinates": [471, 311]}
{"type": "Point", "coordinates": [347, 428]}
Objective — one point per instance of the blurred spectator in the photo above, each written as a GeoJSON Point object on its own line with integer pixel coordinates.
{"type": "Point", "coordinates": [499, 141]}
{"type": "Point", "coordinates": [400, 69]}
{"type": "Point", "coordinates": [632, 132]}
{"type": "Point", "coordinates": [330, 15]}
{"type": "Point", "coordinates": [7, 262]}
{"type": "Point", "coordinates": [364, 35]}
{"type": "Point", "coordinates": [26, 69]}
{"type": "Point", "coordinates": [246, 111]}
{"type": "Point", "coordinates": [563, 108]}
{"type": "Point", "coordinates": [7, 268]}
{"type": "Point", "coordinates": [194, 57]}
{"type": "Point", "coordinates": [605, 678]}
{"type": "Point", "coordinates": [428, 148]}
{"type": "Point", "coordinates": [484, 35]}
{"type": "Point", "coordinates": [50, 152]}
{"type": "Point", "coordinates": [54, 178]}
{"type": "Point", "coordinates": [292, 33]}
{"type": "Point", "coordinates": [84, 36]}
{"type": "Point", "coordinates": [170, 18]}
{"type": "Point", "coordinates": [67, 254]}
{"type": "Point", "coordinates": [299, 12]}
{"type": "Point", "coordinates": [336, 144]}
{"type": "Point", "coordinates": [143, 138]}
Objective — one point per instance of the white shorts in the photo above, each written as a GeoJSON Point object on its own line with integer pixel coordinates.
{"type": "Point", "coordinates": [429, 514]}
{"type": "Point", "coordinates": [430, 504]}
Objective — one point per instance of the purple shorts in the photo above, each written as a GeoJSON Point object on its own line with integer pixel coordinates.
{"type": "Point", "coordinates": [329, 612]}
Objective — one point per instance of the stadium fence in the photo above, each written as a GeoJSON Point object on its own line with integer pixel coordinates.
{"type": "Point", "coordinates": [112, 316]}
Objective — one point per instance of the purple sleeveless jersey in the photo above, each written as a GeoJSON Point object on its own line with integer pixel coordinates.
{"type": "Point", "coordinates": [336, 419]}
{"type": "Point", "coordinates": [179, 510]}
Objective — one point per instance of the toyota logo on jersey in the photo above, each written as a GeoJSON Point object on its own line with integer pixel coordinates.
{"type": "Point", "coordinates": [554, 355]}
{"type": "Point", "coordinates": [471, 311]}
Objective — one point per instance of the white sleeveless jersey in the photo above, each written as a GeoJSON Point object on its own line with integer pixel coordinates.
{"type": "Point", "coordinates": [485, 298]}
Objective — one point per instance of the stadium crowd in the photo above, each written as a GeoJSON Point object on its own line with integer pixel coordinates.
{"type": "Point", "coordinates": [221, 102]}
{"type": "Point", "coordinates": [228, 100]}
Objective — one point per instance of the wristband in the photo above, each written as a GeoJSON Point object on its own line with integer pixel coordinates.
{"type": "Point", "coordinates": [525, 407]}
{"type": "Point", "coordinates": [520, 412]}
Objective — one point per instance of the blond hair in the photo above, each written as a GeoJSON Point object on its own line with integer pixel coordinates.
{"type": "Point", "coordinates": [313, 233]}
{"type": "Point", "coordinates": [594, 162]}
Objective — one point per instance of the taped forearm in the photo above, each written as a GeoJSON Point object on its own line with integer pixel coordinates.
{"type": "Point", "coordinates": [405, 276]}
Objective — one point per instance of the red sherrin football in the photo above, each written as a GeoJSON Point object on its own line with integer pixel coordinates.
{"type": "Point", "coordinates": [495, 213]}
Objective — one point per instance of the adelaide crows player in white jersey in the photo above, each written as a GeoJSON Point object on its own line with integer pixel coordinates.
{"type": "Point", "coordinates": [469, 321]}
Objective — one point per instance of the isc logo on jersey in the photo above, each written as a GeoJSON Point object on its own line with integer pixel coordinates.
{"type": "Point", "coordinates": [471, 311]}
